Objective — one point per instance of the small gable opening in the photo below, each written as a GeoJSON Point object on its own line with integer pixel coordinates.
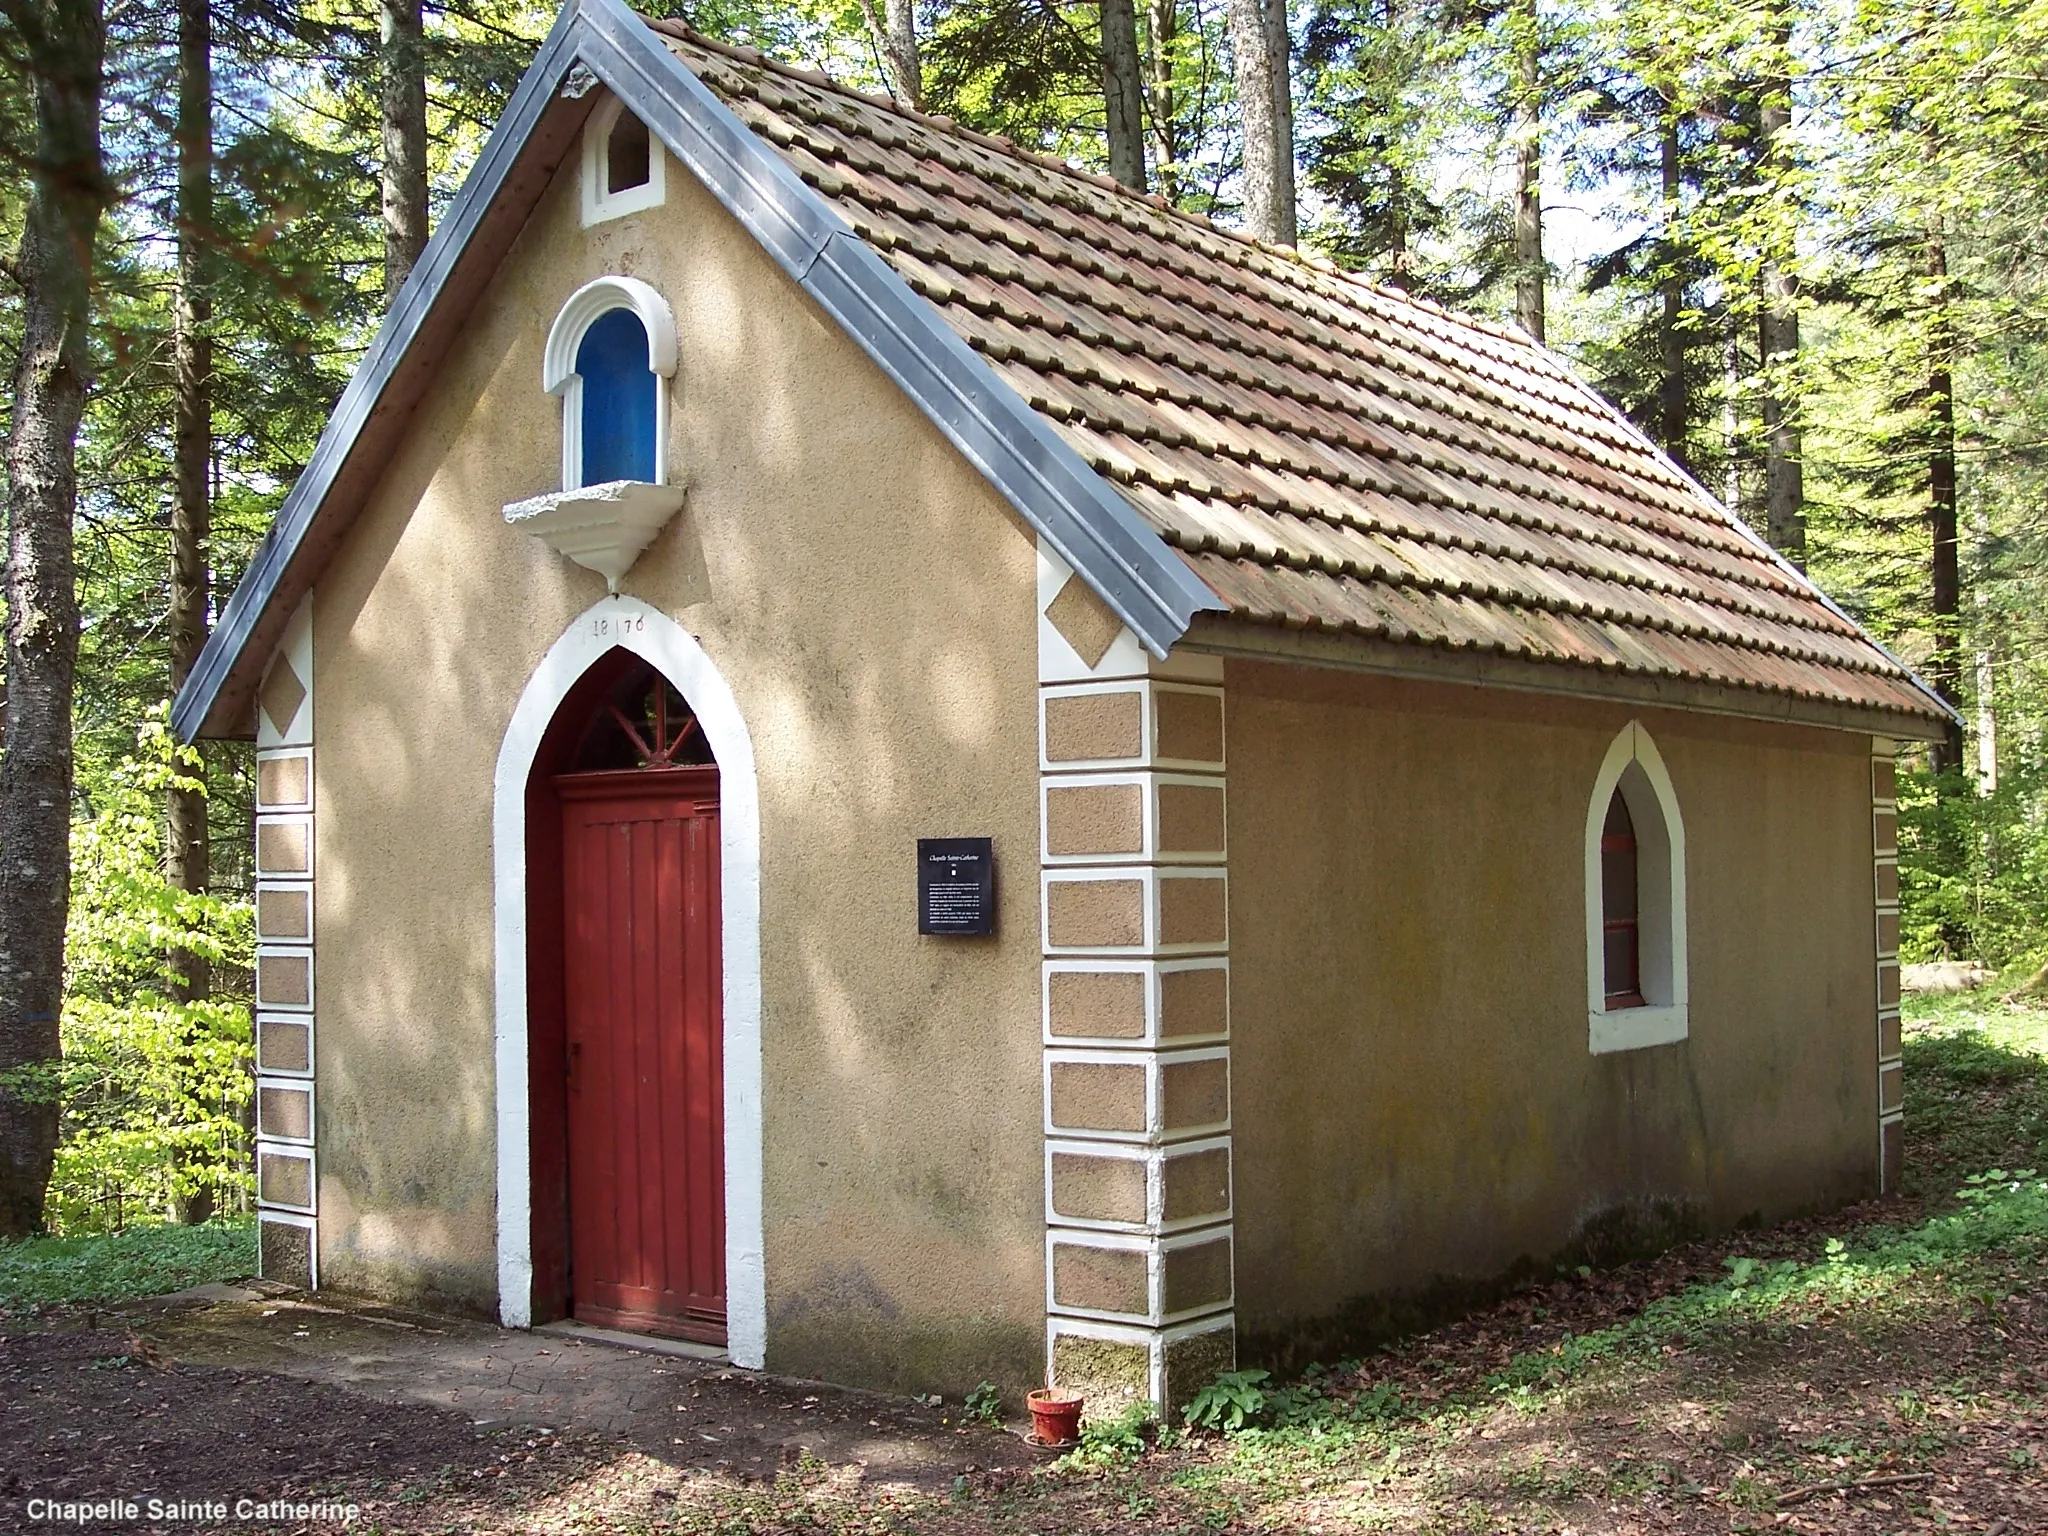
{"type": "Point", "coordinates": [1635, 901]}
{"type": "Point", "coordinates": [623, 166]}
{"type": "Point", "coordinates": [626, 155]}
{"type": "Point", "coordinates": [619, 400]}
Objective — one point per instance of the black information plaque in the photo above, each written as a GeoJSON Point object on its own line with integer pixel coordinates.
{"type": "Point", "coordinates": [956, 885]}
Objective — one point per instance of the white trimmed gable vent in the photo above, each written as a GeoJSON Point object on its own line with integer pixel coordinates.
{"type": "Point", "coordinates": [624, 166]}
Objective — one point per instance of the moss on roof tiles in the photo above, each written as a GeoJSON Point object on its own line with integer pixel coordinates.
{"type": "Point", "coordinates": [1324, 452]}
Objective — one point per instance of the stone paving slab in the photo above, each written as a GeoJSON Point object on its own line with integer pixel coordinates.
{"type": "Point", "coordinates": [687, 1412]}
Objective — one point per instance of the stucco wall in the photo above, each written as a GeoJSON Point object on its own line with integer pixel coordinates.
{"type": "Point", "coordinates": [1414, 1095]}
{"type": "Point", "coordinates": [870, 603]}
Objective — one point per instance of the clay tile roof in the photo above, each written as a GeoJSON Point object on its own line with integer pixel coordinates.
{"type": "Point", "coordinates": [1324, 453]}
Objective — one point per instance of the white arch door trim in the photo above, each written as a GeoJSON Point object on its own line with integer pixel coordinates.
{"type": "Point", "coordinates": [626, 623]}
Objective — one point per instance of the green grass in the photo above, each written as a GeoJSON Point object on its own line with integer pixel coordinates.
{"type": "Point", "coordinates": [1977, 1108]}
{"type": "Point", "coordinates": [142, 1261]}
{"type": "Point", "coordinates": [1976, 1089]}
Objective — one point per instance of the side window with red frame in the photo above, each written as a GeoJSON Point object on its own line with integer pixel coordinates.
{"type": "Point", "coordinates": [1621, 912]}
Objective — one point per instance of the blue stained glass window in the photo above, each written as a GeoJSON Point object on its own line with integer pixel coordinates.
{"type": "Point", "coordinates": [618, 399]}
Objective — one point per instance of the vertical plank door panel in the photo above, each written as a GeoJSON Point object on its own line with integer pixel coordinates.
{"type": "Point", "coordinates": [645, 1019]}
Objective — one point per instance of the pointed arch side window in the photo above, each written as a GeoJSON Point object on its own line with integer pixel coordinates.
{"type": "Point", "coordinates": [1636, 971]}
{"type": "Point", "coordinates": [610, 355]}
{"type": "Point", "coordinates": [1620, 920]}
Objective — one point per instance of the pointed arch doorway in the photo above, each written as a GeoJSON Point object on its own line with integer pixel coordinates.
{"type": "Point", "coordinates": [624, 813]}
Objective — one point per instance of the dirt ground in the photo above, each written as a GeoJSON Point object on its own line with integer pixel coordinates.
{"type": "Point", "coordinates": [1838, 1423]}
{"type": "Point", "coordinates": [424, 1423]}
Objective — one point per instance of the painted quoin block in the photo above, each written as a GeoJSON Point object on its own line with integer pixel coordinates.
{"type": "Point", "coordinates": [1134, 882]}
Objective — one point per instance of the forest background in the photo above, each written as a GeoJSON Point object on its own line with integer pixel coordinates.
{"type": "Point", "coordinates": [1804, 243]}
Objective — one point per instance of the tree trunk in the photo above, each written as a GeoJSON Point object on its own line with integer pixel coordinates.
{"type": "Point", "coordinates": [895, 38]}
{"type": "Point", "coordinates": [1529, 272]}
{"type": "Point", "coordinates": [405, 142]}
{"type": "Point", "coordinates": [1398, 274]}
{"type": "Point", "coordinates": [1162, 22]}
{"type": "Point", "coordinates": [1123, 93]}
{"type": "Point", "coordinates": [1280, 50]}
{"type": "Point", "coordinates": [1731, 413]}
{"type": "Point", "coordinates": [1673, 395]}
{"type": "Point", "coordinates": [1988, 637]}
{"type": "Point", "coordinates": [1265, 110]}
{"type": "Point", "coordinates": [185, 842]}
{"type": "Point", "coordinates": [1778, 337]}
{"type": "Point", "coordinates": [64, 42]}
{"type": "Point", "coordinates": [1947, 672]}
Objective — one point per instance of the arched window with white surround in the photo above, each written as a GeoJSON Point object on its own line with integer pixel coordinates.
{"type": "Point", "coordinates": [610, 356]}
{"type": "Point", "coordinates": [1635, 901]}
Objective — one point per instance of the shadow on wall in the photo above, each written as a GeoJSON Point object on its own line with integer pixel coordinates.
{"type": "Point", "coordinates": [1612, 1237]}
{"type": "Point", "coordinates": [888, 697]}
{"type": "Point", "coordinates": [843, 1327]}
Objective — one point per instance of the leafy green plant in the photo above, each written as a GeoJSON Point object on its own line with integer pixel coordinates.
{"type": "Point", "coordinates": [985, 1403]}
{"type": "Point", "coordinates": [1124, 1436]}
{"type": "Point", "coordinates": [142, 1261]}
{"type": "Point", "coordinates": [1233, 1400]}
{"type": "Point", "coordinates": [153, 1088]}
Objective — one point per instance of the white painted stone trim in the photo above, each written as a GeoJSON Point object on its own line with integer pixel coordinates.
{"type": "Point", "coordinates": [1149, 877]}
{"type": "Point", "coordinates": [297, 645]}
{"type": "Point", "coordinates": [603, 528]}
{"type": "Point", "coordinates": [1154, 1341]}
{"type": "Point", "coordinates": [281, 1216]}
{"type": "Point", "coordinates": [286, 886]}
{"type": "Point", "coordinates": [1153, 970]}
{"type": "Point", "coordinates": [558, 375]}
{"type": "Point", "coordinates": [295, 1083]}
{"type": "Point", "coordinates": [301, 1075]}
{"type": "Point", "coordinates": [1153, 1063]}
{"type": "Point", "coordinates": [1666, 1017]}
{"type": "Point", "coordinates": [295, 1151]}
{"type": "Point", "coordinates": [629, 624]}
{"type": "Point", "coordinates": [1149, 782]}
{"type": "Point", "coordinates": [1155, 1249]}
{"type": "Point", "coordinates": [1154, 1158]}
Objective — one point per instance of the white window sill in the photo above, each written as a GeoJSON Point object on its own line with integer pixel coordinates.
{"type": "Point", "coordinates": [1633, 1029]}
{"type": "Point", "coordinates": [601, 527]}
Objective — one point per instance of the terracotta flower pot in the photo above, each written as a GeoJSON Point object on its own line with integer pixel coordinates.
{"type": "Point", "coordinates": [1055, 1415]}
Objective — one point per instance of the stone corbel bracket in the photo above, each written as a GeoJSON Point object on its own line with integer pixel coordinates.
{"type": "Point", "coordinates": [603, 528]}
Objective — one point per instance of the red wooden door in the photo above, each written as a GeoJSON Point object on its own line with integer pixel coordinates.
{"type": "Point", "coordinates": [645, 1082]}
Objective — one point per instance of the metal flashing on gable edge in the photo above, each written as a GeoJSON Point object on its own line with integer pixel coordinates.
{"type": "Point", "coordinates": [249, 612]}
{"type": "Point", "coordinates": [1093, 529]}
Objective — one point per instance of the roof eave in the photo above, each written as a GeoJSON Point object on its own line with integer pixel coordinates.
{"type": "Point", "coordinates": [1230, 636]}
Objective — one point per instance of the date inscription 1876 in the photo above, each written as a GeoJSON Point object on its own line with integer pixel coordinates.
{"type": "Point", "coordinates": [956, 885]}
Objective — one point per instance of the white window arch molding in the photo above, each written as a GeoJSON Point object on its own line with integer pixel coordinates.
{"type": "Point", "coordinates": [1634, 766]}
{"type": "Point", "coordinates": [600, 297]}
{"type": "Point", "coordinates": [600, 202]}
